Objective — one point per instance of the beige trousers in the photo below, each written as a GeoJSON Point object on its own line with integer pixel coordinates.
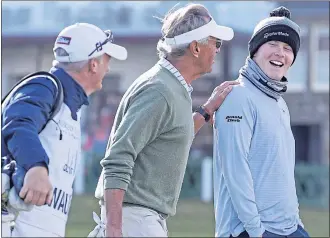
{"type": "Point", "coordinates": [140, 222]}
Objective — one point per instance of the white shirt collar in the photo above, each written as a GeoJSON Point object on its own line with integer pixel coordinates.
{"type": "Point", "coordinates": [166, 64]}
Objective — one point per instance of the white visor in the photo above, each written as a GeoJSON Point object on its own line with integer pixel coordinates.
{"type": "Point", "coordinates": [209, 29]}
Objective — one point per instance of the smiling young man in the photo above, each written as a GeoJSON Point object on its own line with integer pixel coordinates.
{"type": "Point", "coordinates": [254, 149]}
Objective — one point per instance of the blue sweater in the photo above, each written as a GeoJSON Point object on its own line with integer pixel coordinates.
{"type": "Point", "coordinates": [254, 149]}
{"type": "Point", "coordinates": [28, 111]}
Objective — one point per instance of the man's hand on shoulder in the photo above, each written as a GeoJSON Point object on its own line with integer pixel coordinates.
{"type": "Point", "coordinates": [218, 96]}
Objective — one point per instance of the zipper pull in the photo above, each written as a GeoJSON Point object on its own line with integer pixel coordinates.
{"type": "Point", "coordinates": [58, 126]}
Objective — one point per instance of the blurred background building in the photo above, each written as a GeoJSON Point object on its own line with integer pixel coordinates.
{"type": "Point", "coordinates": [29, 30]}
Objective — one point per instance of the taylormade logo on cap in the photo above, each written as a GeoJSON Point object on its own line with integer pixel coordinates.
{"type": "Point", "coordinates": [280, 33]}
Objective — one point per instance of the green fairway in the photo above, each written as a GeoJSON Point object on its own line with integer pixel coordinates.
{"type": "Point", "coordinates": [193, 218]}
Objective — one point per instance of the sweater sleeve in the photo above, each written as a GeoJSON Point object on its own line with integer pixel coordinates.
{"type": "Point", "coordinates": [235, 124]}
{"type": "Point", "coordinates": [146, 116]}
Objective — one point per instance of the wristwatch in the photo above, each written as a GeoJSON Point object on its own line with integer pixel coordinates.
{"type": "Point", "coordinates": [202, 111]}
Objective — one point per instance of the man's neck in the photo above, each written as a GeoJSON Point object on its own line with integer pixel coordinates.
{"type": "Point", "coordinates": [186, 69]}
{"type": "Point", "coordinates": [79, 79]}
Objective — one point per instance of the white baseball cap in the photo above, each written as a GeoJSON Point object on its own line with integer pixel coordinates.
{"type": "Point", "coordinates": [83, 41]}
{"type": "Point", "coordinates": [209, 29]}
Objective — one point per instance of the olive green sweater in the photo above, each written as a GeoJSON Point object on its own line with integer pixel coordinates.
{"type": "Point", "coordinates": [150, 142]}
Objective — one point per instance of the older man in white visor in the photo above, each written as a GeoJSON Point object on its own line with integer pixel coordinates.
{"type": "Point", "coordinates": [146, 158]}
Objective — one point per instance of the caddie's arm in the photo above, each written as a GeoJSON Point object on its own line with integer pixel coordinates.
{"type": "Point", "coordinates": [213, 103]}
{"type": "Point", "coordinates": [26, 113]}
{"type": "Point", "coordinates": [145, 119]}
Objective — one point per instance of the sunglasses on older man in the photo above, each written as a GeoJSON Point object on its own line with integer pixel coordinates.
{"type": "Point", "coordinates": [98, 45]}
{"type": "Point", "coordinates": [218, 43]}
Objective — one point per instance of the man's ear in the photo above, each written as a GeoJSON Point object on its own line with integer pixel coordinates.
{"type": "Point", "coordinates": [92, 65]}
{"type": "Point", "coordinates": [194, 48]}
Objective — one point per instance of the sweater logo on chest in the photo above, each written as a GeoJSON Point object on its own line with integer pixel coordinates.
{"type": "Point", "coordinates": [234, 118]}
